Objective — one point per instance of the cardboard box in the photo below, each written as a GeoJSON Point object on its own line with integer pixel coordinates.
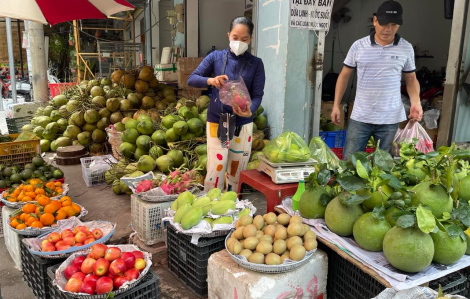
{"type": "Point", "coordinates": [327, 108]}
{"type": "Point", "coordinates": [166, 72]}
{"type": "Point", "coordinates": [22, 109]}
{"type": "Point", "coordinates": [186, 66]}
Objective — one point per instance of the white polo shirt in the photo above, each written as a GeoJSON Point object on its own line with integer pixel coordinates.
{"type": "Point", "coordinates": [379, 73]}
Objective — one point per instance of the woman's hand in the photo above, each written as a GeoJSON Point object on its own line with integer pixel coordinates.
{"type": "Point", "coordinates": [217, 81]}
{"type": "Point", "coordinates": [241, 113]}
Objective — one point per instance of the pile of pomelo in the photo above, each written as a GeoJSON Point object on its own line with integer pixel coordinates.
{"type": "Point", "coordinates": [415, 210]}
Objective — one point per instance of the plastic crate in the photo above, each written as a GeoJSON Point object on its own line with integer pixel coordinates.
{"type": "Point", "coordinates": [19, 152]}
{"type": "Point", "coordinates": [14, 125]}
{"type": "Point", "coordinates": [96, 177]}
{"type": "Point", "coordinates": [35, 272]}
{"type": "Point", "coordinates": [58, 88]}
{"type": "Point", "coordinates": [148, 288]}
{"type": "Point", "coordinates": [452, 284]}
{"type": "Point", "coordinates": [147, 220]}
{"type": "Point", "coordinates": [188, 262]}
{"type": "Point", "coordinates": [12, 240]}
{"type": "Point", "coordinates": [334, 139]}
{"type": "Point", "coordinates": [338, 152]}
{"type": "Point", "coordinates": [346, 281]}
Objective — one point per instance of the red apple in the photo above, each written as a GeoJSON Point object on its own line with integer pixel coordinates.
{"type": "Point", "coordinates": [59, 243]}
{"type": "Point", "coordinates": [111, 276]}
{"type": "Point", "coordinates": [66, 232]}
{"type": "Point", "coordinates": [78, 261]}
{"type": "Point", "coordinates": [79, 275]}
{"type": "Point", "coordinates": [118, 267]}
{"type": "Point", "coordinates": [53, 237]}
{"type": "Point", "coordinates": [88, 265]}
{"type": "Point", "coordinates": [69, 240]}
{"type": "Point", "coordinates": [63, 247]}
{"type": "Point", "coordinates": [48, 247]}
{"type": "Point", "coordinates": [119, 281]}
{"type": "Point", "coordinates": [88, 287]}
{"type": "Point", "coordinates": [73, 285]}
{"type": "Point", "coordinates": [46, 242]}
{"type": "Point", "coordinates": [139, 264]}
{"type": "Point", "coordinates": [90, 255]}
{"type": "Point", "coordinates": [100, 268]}
{"type": "Point", "coordinates": [97, 233]}
{"type": "Point", "coordinates": [70, 270]}
{"type": "Point", "coordinates": [104, 285]}
{"type": "Point", "coordinates": [89, 240]}
{"type": "Point", "coordinates": [80, 237]}
{"type": "Point", "coordinates": [132, 273]}
{"type": "Point", "coordinates": [138, 254]}
{"type": "Point", "coordinates": [80, 228]}
{"type": "Point", "coordinates": [98, 251]}
{"type": "Point", "coordinates": [112, 253]}
{"type": "Point", "coordinates": [91, 277]}
{"type": "Point", "coordinates": [78, 244]}
{"type": "Point", "coordinates": [129, 258]}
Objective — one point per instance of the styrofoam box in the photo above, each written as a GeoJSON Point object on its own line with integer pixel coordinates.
{"type": "Point", "coordinates": [22, 109]}
{"type": "Point", "coordinates": [12, 239]}
{"type": "Point", "coordinates": [226, 279]}
{"type": "Point", "coordinates": [147, 220]}
{"type": "Point", "coordinates": [166, 72]}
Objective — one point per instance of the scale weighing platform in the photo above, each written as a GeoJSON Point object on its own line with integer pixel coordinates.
{"type": "Point", "coordinates": [284, 173]}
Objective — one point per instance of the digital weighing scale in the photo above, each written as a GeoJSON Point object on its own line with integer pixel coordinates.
{"type": "Point", "coordinates": [284, 173]}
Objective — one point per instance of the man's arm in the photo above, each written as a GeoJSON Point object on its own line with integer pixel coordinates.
{"type": "Point", "coordinates": [412, 86]}
{"type": "Point", "coordinates": [341, 85]}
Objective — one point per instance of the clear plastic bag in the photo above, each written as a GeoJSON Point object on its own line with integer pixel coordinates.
{"type": "Point", "coordinates": [323, 154]}
{"type": "Point", "coordinates": [234, 93]}
{"type": "Point", "coordinates": [287, 147]}
{"type": "Point", "coordinates": [413, 130]}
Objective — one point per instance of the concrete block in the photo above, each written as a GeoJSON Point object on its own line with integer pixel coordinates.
{"type": "Point", "coordinates": [228, 280]}
{"type": "Point", "coordinates": [12, 240]}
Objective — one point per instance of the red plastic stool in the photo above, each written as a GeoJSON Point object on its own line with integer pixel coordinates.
{"type": "Point", "coordinates": [261, 182]}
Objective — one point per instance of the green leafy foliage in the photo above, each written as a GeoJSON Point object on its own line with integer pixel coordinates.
{"type": "Point", "coordinates": [406, 221]}
{"type": "Point", "coordinates": [425, 219]}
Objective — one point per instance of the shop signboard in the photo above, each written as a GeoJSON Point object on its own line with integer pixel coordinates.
{"type": "Point", "coordinates": [310, 14]}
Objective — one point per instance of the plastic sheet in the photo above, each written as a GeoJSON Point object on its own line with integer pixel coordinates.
{"type": "Point", "coordinates": [234, 93]}
{"type": "Point", "coordinates": [287, 147]}
{"type": "Point", "coordinates": [412, 131]}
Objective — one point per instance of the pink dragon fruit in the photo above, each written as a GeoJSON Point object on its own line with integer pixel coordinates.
{"type": "Point", "coordinates": [144, 186]}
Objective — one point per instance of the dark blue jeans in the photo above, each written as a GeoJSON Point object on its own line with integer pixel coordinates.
{"type": "Point", "coordinates": [358, 135]}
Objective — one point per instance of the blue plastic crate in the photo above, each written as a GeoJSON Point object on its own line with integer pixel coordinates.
{"type": "Point", "coordinates": [334, 139]}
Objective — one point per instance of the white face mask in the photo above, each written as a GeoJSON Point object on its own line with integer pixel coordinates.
{"type": "Point", "coordinates": [238, 47]}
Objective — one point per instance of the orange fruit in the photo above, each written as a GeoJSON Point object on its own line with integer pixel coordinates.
{"type": "Point", "coordinates": [29, 188]}
{"type": "Point", "coordinates": [44, 201]}
{"type": "Point", "coordinates": [21, 187]}
{"type": "Point", "coordinates": [38, 210]}
{"type": "Point", "coordinates": [76, 207]}
{"type": "Point", "coordinates": [59, 190]}
{"type": "Point", "coordinates": [5, 194]}
{"type": "Point", "coordinates": [57, 203]}
{"type": "Point", "coordinates": [27, 217]}
{"type": "Point", "coordinates": [31, 220]}
{"type": "Point", "coordinates": [23, 216]}
{"type": "Point", "coordinates": [50, 185]}
{"type": "Point", "coordinates": [37, 224]}
{"type": "Point", "coordinates": [21, 226]}
{"type": "Point", "coordinates": [30, 194]}
{"type": "Point", "coordinates": [11, 199]}
{"type": "Point", "coordinates": [47, 219]}
{"type": "Point", "coordinates": [29, 208]}
{"type": "Point", "coordinates": [61, 214]}
{"type": "Point", "coordinates": [58, 184]}
{"type": "Point", "coordinates": [20, 196]}
{"type": "Point", "coordinates": [39, 191]}
{"type": "Point", "coordinates": [26, 199]}
{"type": "Point", "coordinates": [14, 223]}
{"type": "Point", "coordinates": [65, 201]}
{"type": "Point", "coordinates": [70, 211]}
{"type": "Point", "coordinates": [51, 208]}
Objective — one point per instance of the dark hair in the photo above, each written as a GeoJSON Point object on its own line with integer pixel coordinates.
{"type": "Point", "coordinates": [243, 21]}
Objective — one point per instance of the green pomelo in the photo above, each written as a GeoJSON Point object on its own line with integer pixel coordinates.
{"type": "Point", "coordinates": [169, 120]}
{"type": "Point", "coordinates": [171, 136]}
{"type": "Point", "coordinates": [340, 218]}
{"type": "Point", "coordinates": [414, 170]}
{"type": "Point", "coordinates": [143, 142]}
{"type": "Point", "coordinates": [435, 197]}
{"type": "Point", "coordinates": [389, 215]}
{"type": "Point", "coordinates": [176, 156]}
{"type": "Point", "coordinates": [408, 249]}
{"type": "Point", "coordinates": [447, 249]}
{"type": "Point", "coordinates": [310, 206]}
{"type": "Point", "coordinates": [145, 127]}
{"type": "Point", "coordinates": [376, 199]}
{"type": "Point", "coordinates": [132, 124]}
{"type": "Point", "coordinates": [158, 137]}
{"type": "Point", "coordinates": [180, 128]}
{"type": "Point", "coordinates": [130, 136]}
{"type": "Point", "coordinates": [369, 232]}
{"type": "Point", "coordinates": [127, 149]}
{"type": "Point", "coordinates": [139, 153]}
{"type": "Point", "coordinates": [464, 188]}
{"type": "Point", "coordinates": [164, 163]}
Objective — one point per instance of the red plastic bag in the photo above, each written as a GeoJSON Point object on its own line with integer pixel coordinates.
{"type": "Point", "coordinates": [413, 130]}
{"type": "Point", "coordinates": [234, 93]}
